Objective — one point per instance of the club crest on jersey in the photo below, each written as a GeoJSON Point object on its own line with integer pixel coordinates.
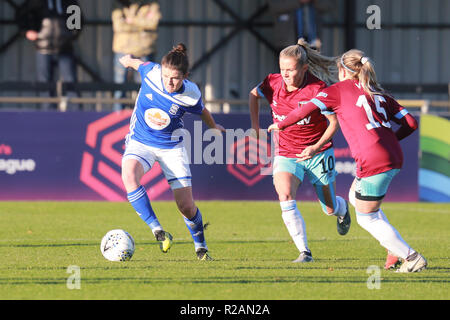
{"type": "Point", "coordinates": [174, 109]}
{"type": "Point", "coordinates": [156, 119]}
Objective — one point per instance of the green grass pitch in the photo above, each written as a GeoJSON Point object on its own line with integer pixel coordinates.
{"type": "Point", "coordinates": [40, 240]}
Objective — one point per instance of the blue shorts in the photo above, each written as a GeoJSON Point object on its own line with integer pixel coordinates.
{"type": "Point", "coordinates": [374, 188]}
{"type": "Point", "coordinates": [320, 169]}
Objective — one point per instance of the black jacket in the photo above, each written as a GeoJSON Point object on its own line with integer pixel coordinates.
{"type": "Point", "coordinates": [48, 18]}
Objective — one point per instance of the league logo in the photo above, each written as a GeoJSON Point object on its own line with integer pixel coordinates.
{"type": "Point", "coordinates": [253, 160]}
{"type": "Point", "coordinates": [102, 159]}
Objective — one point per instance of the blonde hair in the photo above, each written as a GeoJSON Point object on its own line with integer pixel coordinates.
{"type": "Point", "coordinates": [361, 68]}
{"type": "Point", "coordinates": [322, 67]}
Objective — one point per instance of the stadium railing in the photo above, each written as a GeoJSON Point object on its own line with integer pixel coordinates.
{"type": "Point", "coordinates": [101, 96]}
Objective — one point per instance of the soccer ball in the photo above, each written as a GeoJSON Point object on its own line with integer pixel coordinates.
{"type": "Point", "coordinates": [117, 245]}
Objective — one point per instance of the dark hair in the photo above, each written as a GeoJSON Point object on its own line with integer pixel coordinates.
{"type": "Point", "coordinates": [177, 59]}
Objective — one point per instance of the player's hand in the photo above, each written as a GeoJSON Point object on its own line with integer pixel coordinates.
{"type": "Point", "coordinates": [273, 127]}
{"type": "Point", "coordinates": [306, 154]}
{"type": "Point", "coordinates": [255, 131]}
{"type": "Point", "coordinates": [220, 127]}
{"type": "Point", "coordinates": [125, 60]}
{"type": "Point", "coordinates": [31, 35]}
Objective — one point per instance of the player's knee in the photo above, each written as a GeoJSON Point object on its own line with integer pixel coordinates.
{"type": "Point", "coordinates": [187, 208]}
{"type": "Point", "coordinates": [129, 179]}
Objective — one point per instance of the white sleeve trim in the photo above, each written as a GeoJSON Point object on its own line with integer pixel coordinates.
{"type": "Point", "coordinates": [401, 113]}
{"type": "Point", "coordinates": [320, 105]}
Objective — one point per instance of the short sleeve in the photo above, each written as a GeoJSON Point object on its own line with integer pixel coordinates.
{"type": "Point", "coordinates": [327, 99]}
{"type": "Point", "coordinates": [195, 109]}
{"type": "Point", "coordinates": [394, 109]}
{"type": "Point", "coordinates": [145, 68]}
{"type": "Point", "coordinates": [265, 89]}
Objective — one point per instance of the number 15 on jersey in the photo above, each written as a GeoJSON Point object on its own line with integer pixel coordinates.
{"type": "Point", "coordinates": [362, 102]}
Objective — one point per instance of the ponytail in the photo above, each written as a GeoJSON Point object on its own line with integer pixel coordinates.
{"type": "Point", "coordinates": [322, 67]}
{"type": "Point", "coordinates": [361, 68]}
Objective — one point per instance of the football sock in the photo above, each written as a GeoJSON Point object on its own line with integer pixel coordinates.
{"type": "Point", "coordinates": [295, 224]}
{"type": "Point", "coordinates": [341, 207]}
{"type": "Point", "coordinates": [379, 227]}
{"type": "Point", "coordinates": [195, 227]}
{"type": "Point", "coordinates": [141, 204]}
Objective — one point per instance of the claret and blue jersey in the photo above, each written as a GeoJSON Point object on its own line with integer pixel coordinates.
{"type": "Point", "coordinates": [158, 113]}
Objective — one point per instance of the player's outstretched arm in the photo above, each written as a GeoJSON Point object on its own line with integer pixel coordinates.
{"type": "Point", "coordinates": [129, 62]}
{"type": "Point", "coordinates": [295, 116]}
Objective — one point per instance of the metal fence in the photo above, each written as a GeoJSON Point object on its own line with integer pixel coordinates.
{"type": "Point", "coordinates": [230, 49]}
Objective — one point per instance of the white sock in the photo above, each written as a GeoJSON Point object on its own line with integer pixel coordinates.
{"type": "Point", "coordinates": [295, 224]}
{"type": "Point", "coordinates": [341, 207]}
{"type": "Point", "coordinates": [379, 227]}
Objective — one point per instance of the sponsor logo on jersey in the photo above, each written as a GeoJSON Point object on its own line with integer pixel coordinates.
{"type": "Point", "coordinates": [301, 122]}
{"type": "Point", "coordinates": [174, 109]}
{"type": "Point", "coordinates": [322, 94]}
{"type": "Point", "coordinates": [156, 119]}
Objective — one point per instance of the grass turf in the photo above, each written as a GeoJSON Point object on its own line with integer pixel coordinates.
{"type": "Point", "coordinates": [250, 244]}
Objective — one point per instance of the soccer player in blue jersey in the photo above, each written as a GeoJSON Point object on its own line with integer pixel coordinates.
{"type": "Point", "coordinates": [164, 97]}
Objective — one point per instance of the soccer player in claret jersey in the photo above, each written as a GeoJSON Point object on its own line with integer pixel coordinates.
{"type": "Point", "coordinates": [302, 71]}
{"type": "Point", "coordinates": [165, 96]}
{"type": "Point", "coordinates": [364, 111]}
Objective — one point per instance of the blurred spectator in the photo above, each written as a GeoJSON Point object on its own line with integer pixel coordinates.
{"type": "Point", "coordinates": [135, 26]}
{"type": "Point", "coordinates": [294, 19]}
{"type": "Point", "coordinates": [45, 23]}
{"type": "Point", "coordinates": [307, 23]}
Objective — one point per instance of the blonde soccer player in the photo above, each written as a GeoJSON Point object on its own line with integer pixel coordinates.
{"type": "Point", "coordinates": [364, 111]}
{"type": "Point", "coordinates": [303, 74]}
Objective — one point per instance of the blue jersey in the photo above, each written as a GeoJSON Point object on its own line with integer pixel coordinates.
{"type": "Point", "coordinates": [157, 113]}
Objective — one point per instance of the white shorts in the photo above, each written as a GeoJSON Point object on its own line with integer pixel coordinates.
{"type": "Point", "coordinates": [174, 162]}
